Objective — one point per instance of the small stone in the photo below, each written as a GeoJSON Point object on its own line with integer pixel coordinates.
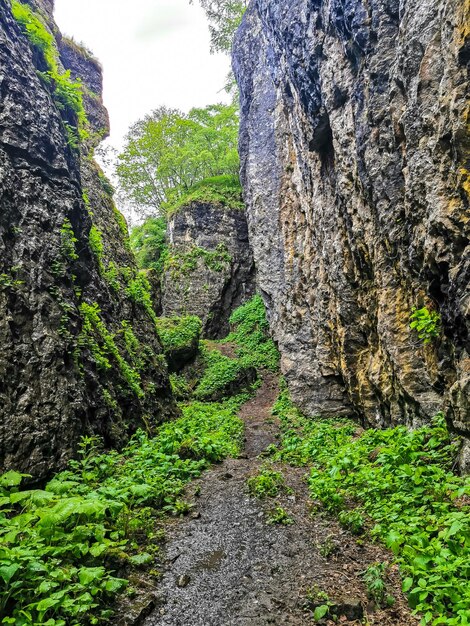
{"type": "Point", "coordinates": [195, 515]}
{"type": "Point", "coordinates": [183, 581]}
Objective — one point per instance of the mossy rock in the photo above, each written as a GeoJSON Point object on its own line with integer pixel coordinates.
{"type": "Point", "coordinates": [180, 339]}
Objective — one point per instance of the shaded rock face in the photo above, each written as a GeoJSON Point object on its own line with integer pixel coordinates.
{"type": "Point", "coordinates": [210, 270]}
{"type": "Point", "coordinates": [355, 146]}
{"type": "Point", "coordinates": [61, 376]}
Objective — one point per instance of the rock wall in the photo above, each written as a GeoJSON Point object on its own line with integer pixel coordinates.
{"type": "Point", "coordinates": [79, 353]}
{"type": "Point", "coordinates": [210, 271]}
{"type": "Point", "coordinates": [355, 164]}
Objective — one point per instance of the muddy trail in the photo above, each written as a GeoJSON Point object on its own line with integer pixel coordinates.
{"type": "Point", "coordinates": [225, 565]}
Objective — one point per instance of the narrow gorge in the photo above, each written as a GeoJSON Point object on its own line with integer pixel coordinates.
{"type": "Point", "coordinates": [235, 353]}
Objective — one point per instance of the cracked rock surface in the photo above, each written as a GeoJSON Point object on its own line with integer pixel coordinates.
{"type": "Point", "coordinates": [354, 146]}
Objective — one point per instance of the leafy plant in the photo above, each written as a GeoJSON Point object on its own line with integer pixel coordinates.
{"type": "Point", "coordinates": [148, 242]}
{"type": "Point", "coordinates": [221, 374]}
{"type": "Point", "coordinates": [224, 191]}
{"type": "Point", "coordinates": [374, 577]}
{"type": "Point", "coordinates": [178, 332]}
{"type": "Point", "coordinates": [278, 515]}
{"type": "Point", "coordinates": [426, 323]}
{"type": "Point", "coordinates": [224, 18]}
{"type": "Point", "coordinates": [251, 334]}
{"type": "Point", "coordinates": [404, 480]}
{"type": "Point", "coordinates": [352, 520]}
{"type": "Point", "coordinates": [59, 546]}
{"type": "Point", "coordinates": [268, 483]}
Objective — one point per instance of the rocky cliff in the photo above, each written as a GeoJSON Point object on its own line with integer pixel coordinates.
{"type": "Point", "coordinates": [210, 269]}
{"type": "Point", "coordinates": [355, 156]}
{"type": "Point", "coordinates": [79, 353]}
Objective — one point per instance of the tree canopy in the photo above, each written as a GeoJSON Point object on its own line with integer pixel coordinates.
{"type": "Point", "coordinates": [168, 152]}
{"type": "Point", "coordinates": [224, 18]}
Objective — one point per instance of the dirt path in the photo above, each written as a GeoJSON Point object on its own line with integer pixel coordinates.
{"type": "Point", "coordinates": [226, 566]}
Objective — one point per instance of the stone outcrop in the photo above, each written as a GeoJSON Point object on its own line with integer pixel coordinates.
{"type": "Point", "coordinates": [210, 270]}
{"type": "Point", "coordinates": [79, 352]}
{"type": "Point", "coordinates": [355, 146]}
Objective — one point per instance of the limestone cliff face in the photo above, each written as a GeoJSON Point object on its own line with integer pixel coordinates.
{"type": "Point", "coordinates": [355, 147]}
{"type": "Point", "coordinates": [79, 353]}
{"type": "Point", "coordinates": [210, 271]}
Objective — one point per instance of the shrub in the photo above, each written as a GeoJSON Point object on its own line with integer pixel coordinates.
{"type": "Point", "coordinates": [178, 332]}
{"type": "Point", "coordinates": [224, 191]}
{"type": "Point", "coordinates": [426, 323]}
{"type": "Point", "coordinates": [251, 334]}
{"type": "Point", "coordinates": [148, 242]}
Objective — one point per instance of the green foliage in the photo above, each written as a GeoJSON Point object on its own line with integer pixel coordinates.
{"type": "Point", "coordinates": [224, 191]}
{"type": "Point", "coordinates": [251, 334]}
{"type": "Point", "coordinates": [8, 282]}
{"type": "Point", "coordinates": [139, 291]}
{"type": "Point", "coordinates": [224, 18]}
{"type": "Point", "coordinates": [148, 242]}
{"type": "Point", "coordinates": [168, 152]}
{"type": "Point", "coordinates": [220, 372]}
{"type": "Point", "coordinates": [352, 520]}
{"type": "Point", "coordinates": [268, 483]}
{"type": "Point", "coordinates": [96, 244]}
{"type": "Point", "coordinates": [180, 387]}
{"type": "Point", "coordinates": [374, 577]}
{"type": "Point", "coordinates": [96, 337]}
{"type": "Point", "coordinates": [278, 515]}
{"type": "Point", "coordinates": [185, 263]}
{"type": "Point", "coordinates": [67, 93]}
{"type": "Point", "coordinates": [59, 546]}
{"type": "Point", "coordinates": [426, 323]}
{"type": "Point", "coordinates": [403, 480]}
{"type": "Point", "coordinates": [178, 332]}
{"type": "Point", "coordinates": [68, 241]}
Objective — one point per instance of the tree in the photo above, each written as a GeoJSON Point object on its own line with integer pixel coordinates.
{"type": "Point", "coordinates": [224, 18]}
{"type": "Point", "coordinates": [168, 152]}
{"type": "Point", "coordinates": [148, 242]}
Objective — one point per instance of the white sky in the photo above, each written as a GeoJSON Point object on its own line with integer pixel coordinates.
{"type": "Point", "coordinates": [154, 52]}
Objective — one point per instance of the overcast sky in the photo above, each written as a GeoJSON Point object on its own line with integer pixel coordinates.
{"type": "Point", "coordinates": [154, 52]}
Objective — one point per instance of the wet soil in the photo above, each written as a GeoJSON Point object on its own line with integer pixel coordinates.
{"type": "Point", "coordinates": [225, 565]}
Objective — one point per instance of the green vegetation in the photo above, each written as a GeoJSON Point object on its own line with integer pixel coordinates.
{"type": "Point", "coordinates": [68, 241]}
{"type": "Point", "coordinates": [148, 242]}
{"type": "Point", "coordinates": [268, 483]}
{"type": "Point", "coordinates": [220, 374]}
{"type": "Point", "coordinates": [403, 485]}
{"type": "Point", "coordinates": [102, 344]}
{"type": "Point", "coordinates": [224, 18]}
{"type": "Point", "coordinates": [168, 152]}
{"type": "Point", "coordinates": [139, 291]}
{"type": "Point", "coordinates": [61, 547]}
{"type": "Point", "coordinates": [374, 577]}
{"type": "Point", "coordinates": [251, 334]}
{"type": "Point", "coordinates": [185, 263]}
{"type": "Point", "coordinates": [278, 515]}
{"type": "Point", "coordinates": [224, 191]}
{"type": "Point", "coordinates": [254, 350]}
{"type": "Point", "coordinates": [178, 332]}
{"type": "Point", "coordinates": [96, 245]}
{"type": "Point", "coordinates": [67, 93]}
{"type": "Point", "coordinates": [426, 323]}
